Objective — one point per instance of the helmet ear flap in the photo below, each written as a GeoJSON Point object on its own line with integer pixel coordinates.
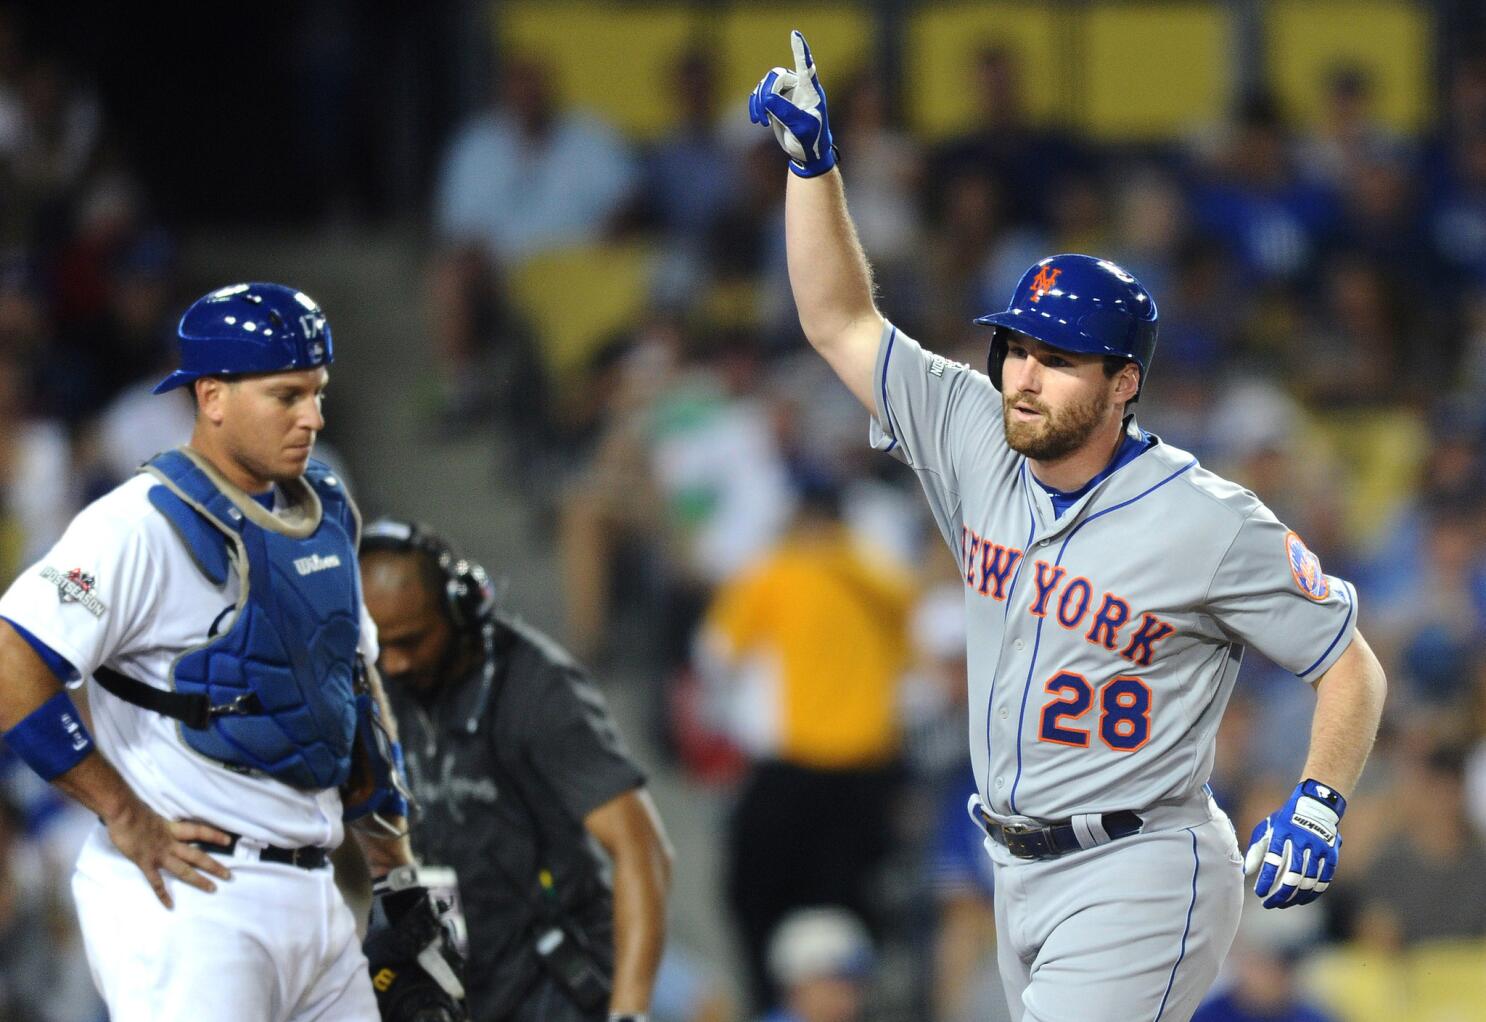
{"type": "Point", "coordinates": [996, 357]}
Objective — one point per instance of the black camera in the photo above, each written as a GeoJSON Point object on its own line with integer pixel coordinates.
{"type": "Point", "coordinates": [567, 958]}
{"type": "Point", "coordinates": [420, 999]}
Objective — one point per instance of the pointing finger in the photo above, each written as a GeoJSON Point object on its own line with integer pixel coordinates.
{"type": "Point", "coordinates": [804, 65]}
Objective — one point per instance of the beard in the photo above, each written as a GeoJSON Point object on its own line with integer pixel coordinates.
{"type": "Point", "coordinates": [1055, 435]}
{"type": "Point", "coordinates": [262, 464]}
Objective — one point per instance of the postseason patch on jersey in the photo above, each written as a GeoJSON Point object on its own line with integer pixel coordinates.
{"type": "Point", "coordinates": [938, 364]}
{"type": "Point", "coordinates": [1306, 568]}
{"type": "Point", "coordinates": [75, 586]}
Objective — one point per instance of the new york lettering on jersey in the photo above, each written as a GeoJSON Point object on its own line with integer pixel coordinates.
{"type": "Point", "coordinates": [989, 567]}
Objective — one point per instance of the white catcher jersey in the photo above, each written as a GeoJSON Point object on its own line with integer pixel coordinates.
{"type": "Point", "coordinates": [119, 588]}
{"type": "Point", "coordinates": [1103, 644]}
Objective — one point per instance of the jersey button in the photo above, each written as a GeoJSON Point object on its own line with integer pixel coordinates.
{"type": "Point", "coordinates": [1003, 713]}
{"type": "Point", "coordinates": [1000, 782]}
{"type": "Point", "coordinates": [1018, 645]}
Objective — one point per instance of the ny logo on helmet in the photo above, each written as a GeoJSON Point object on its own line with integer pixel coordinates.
{"type": "Point", "coordinates": [312, 325]}
{"type": "Point", "coordinates": [1047, 277]}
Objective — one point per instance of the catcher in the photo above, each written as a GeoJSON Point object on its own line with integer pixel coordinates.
{"type": "Point", "coordinates": [211, 610]}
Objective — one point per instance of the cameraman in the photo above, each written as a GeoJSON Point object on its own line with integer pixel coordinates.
{"type": "Point", "coordinates": [516, 764]}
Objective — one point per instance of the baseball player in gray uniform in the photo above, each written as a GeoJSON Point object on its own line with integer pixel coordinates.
{"type": "Point", "coordinates": [1111, 586]}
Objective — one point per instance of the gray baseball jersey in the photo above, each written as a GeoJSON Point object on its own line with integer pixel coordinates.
{"type": "Point", "coordinates": [1103, 643]}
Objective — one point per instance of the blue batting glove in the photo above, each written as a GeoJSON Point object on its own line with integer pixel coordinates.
{"type": "Point", "coordinates": [1295, 850]}
{"type": "Point", "coordinates": [794, 105]}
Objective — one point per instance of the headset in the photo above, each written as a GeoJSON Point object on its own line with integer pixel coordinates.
{"type": "Point", "coordinates": [468, 598]}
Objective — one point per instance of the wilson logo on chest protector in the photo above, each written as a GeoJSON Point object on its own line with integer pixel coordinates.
{"type": "Point", "coordinates": [313, 563]}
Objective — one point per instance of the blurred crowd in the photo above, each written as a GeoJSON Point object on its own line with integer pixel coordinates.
{"type": "Point", "coordinates": [720, 520]}
{"type": "Point", "coordinates": [88, 288]}
{"type": "Point", "coordinates": [724, 531]}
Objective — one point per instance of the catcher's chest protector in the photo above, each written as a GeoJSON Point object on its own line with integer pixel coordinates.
{"type": "Point", "coordinates": [289, 653]}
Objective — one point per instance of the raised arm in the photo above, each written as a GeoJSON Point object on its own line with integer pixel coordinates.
{"type": "Point", "coordinates": [828, 271]}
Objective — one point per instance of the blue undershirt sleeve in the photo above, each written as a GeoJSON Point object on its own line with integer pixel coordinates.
{"type": "Point", "coordinates": [56, 662]}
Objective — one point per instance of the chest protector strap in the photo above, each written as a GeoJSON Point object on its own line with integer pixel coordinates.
{"type": "Point", "coordinates": [275, 692]}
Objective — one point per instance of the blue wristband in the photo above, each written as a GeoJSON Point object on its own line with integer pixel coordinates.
{"type": "Point", "coordinates": [817, 167]}
{"type": "Point", "coordinates": [51, 740]}
{"type": "Point", "coordinates": [1325, 794]}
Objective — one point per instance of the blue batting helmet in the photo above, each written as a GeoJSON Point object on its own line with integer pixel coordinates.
{"type": "Point", "coordinates": [1078, 303]}
{"type": "Point", "coordinates": [250, 328]}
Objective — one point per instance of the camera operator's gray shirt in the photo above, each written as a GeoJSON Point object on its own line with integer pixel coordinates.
{"type": "Point", "coordinates": [504, 764]}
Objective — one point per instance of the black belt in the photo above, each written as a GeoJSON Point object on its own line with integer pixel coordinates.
{"type": "Point", "coordinates": [1048, 841]}
{"type": "Point", "coordinates": [307, 857]}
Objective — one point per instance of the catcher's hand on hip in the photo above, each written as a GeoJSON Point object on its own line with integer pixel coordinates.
{"type": "Point", "coordinates": [1295, 849]}
{"type": "Point", "coordinates": [794, 105]}
{"type": "Point", "coordinates": [161, 848]}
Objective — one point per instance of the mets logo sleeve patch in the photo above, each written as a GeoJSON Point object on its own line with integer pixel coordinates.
{"type": "Point", "coordinates": [1272, 593]}
{"type": "Point", "coordinates": [1305, 567]}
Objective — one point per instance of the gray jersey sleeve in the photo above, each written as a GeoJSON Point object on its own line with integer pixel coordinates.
{"type": "Point", "coordinates": [937, 417]}
{"type": "Point", "coordinates": [1269, 592]}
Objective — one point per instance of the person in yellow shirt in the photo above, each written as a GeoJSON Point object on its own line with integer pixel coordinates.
{"type": "Point", "coordinates": [805, 650]}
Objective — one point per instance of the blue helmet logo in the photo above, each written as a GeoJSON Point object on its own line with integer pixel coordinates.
{"type": "Point", "coordinates": [250, 328]}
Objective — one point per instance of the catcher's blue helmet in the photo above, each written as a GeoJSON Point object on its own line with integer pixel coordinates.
{"type": "Point", "coordinates": [1078, 303]}
{"type": "Point", "coordinates": [250, 328]}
